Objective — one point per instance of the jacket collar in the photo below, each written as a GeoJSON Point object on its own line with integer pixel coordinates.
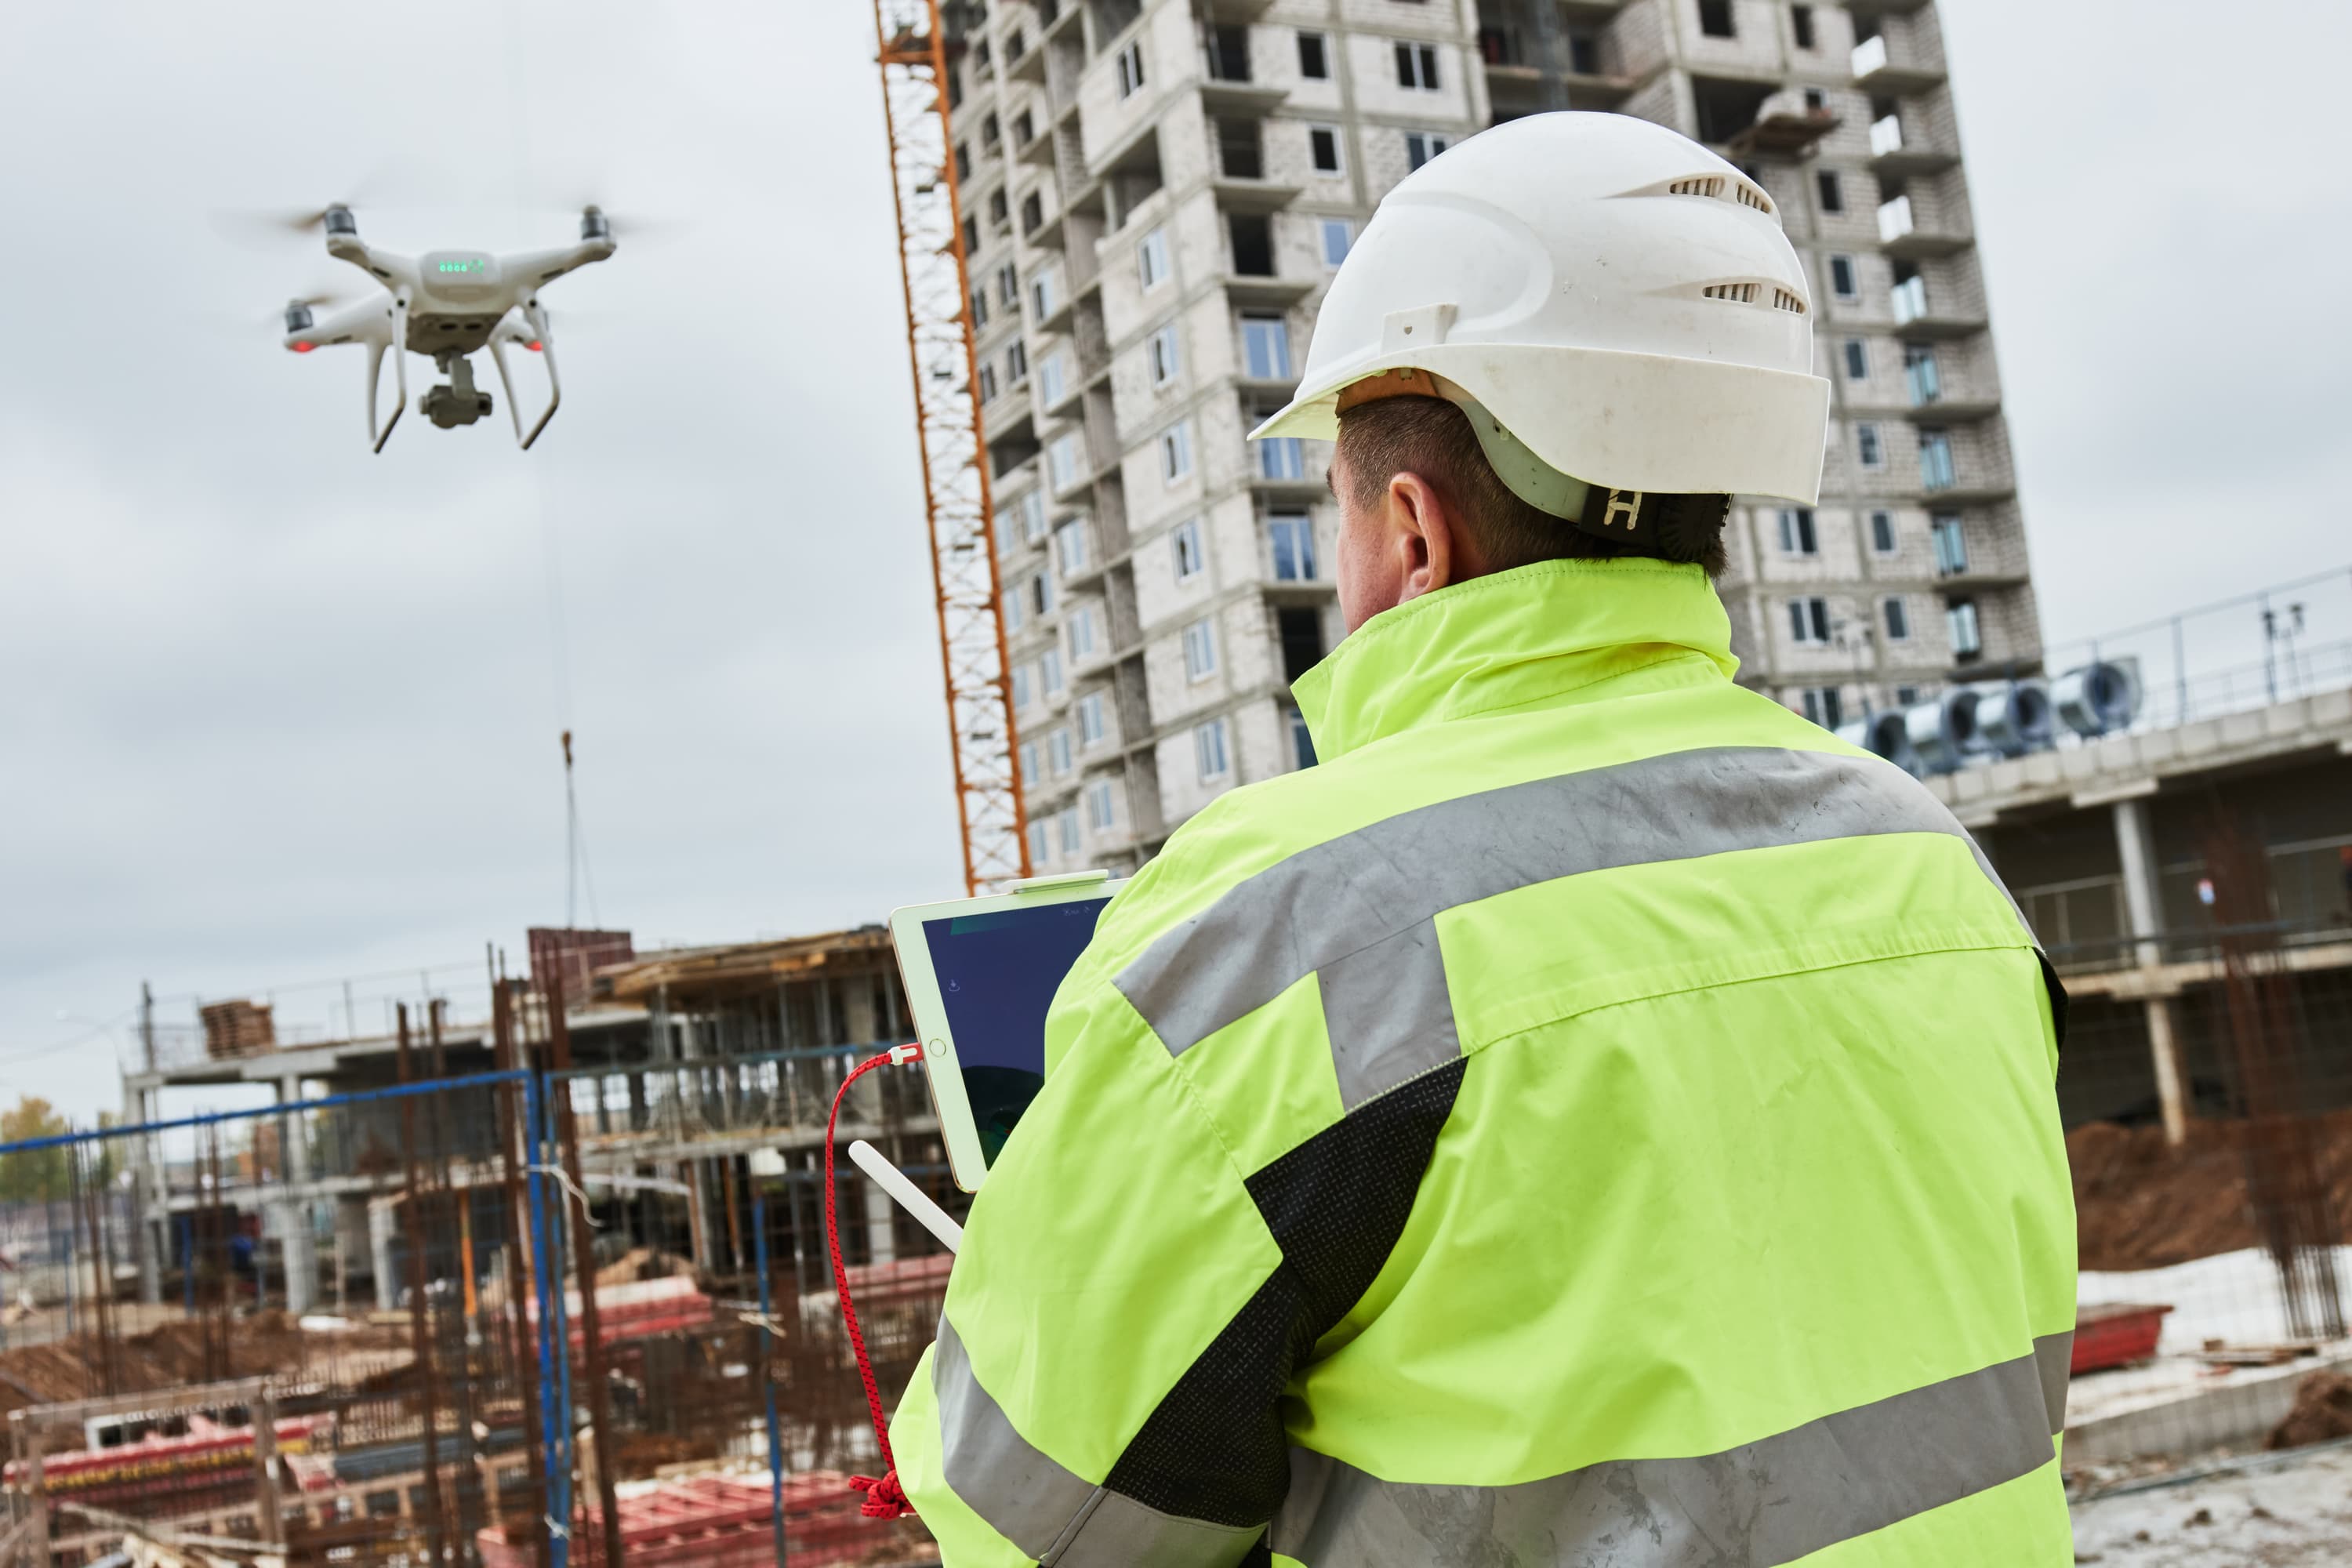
{"type": "Point", "coordinates": [1558, 631]}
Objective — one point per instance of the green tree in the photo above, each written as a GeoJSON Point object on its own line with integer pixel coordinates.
{"type": "Point", "coordinates": [32, 1173]}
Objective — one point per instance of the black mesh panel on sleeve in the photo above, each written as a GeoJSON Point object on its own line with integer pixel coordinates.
{"type": "Point", "coordinates": [1214, 1448]}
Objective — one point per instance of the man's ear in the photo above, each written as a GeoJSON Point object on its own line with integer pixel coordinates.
{"type": "Point", "coordinates": [1421, 532]}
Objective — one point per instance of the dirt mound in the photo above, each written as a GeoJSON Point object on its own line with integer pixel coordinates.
{"type": "Point", "coordinates": [169, 1356]}
{"type": "Point", "coordinates": [2139, 1204]}
{"type": "Point", "coordinates": [2323, 1412]}
{"type": "Point", "coordinates": [642, 1263]}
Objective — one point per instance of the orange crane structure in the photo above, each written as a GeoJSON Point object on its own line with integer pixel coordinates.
{"type": "Point", "coordinates": [913, 48]}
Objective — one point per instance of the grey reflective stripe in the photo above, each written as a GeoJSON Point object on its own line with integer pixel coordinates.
{"type": "Point", "coordinates": [1024, 1496]}
{"type": "Point", "coordinates": [2055, 1354]}
{"type": "Point", "coordinates": [1388, 1014]}
{"type": "Point", "coordinates": [1051, 1512]}
{"type": "Point", "coordinates": [1343, 897]}
{"type": "Point", "coordinates": [1767, 1502]}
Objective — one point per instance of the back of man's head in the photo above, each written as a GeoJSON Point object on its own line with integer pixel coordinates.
{"type": "Point", "coordinates": [1433, 438]}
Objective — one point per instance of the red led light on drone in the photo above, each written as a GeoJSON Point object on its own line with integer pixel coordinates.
{"type": "Point", "coordinates": [301, 348]}
{"type": "Point", "coordinates": [532, 346]}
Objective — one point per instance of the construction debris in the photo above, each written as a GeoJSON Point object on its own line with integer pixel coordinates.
{"type": "Point", "coordinates": [2322, 1413]}
{"type": "Point", "coordinates": [2140, 1203]}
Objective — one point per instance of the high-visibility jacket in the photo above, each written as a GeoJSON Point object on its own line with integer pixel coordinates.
{"type": "Point", "coordinates": [1596, 1117]}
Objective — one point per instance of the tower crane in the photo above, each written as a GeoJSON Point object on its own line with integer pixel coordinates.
{"type": "Point", "coordinates": [913, 50]}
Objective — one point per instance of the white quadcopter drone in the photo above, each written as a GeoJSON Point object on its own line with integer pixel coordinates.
{"type": "Point", "coordinates": [446, 304]}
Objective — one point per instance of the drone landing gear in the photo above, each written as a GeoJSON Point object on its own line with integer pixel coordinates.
{"type": "Point", "coordinates": [458, 402]}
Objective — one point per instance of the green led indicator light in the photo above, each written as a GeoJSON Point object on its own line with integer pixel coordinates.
{"type": "Point", "coordinates": [473, 266]}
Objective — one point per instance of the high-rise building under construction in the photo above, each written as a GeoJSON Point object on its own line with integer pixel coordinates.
{"type": "Point", "coordinates": [1156, 194]}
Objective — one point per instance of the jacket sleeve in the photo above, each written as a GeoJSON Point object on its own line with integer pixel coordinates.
{"type": "Point", "coordinates": [1104, 1389]}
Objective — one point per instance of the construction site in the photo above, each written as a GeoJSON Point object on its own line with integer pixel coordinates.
{"type": "Point", "coordinates": [540, 1260]}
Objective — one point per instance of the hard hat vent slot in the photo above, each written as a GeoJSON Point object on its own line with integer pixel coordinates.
{"type": "Point", "coordinates": [1749, 197]}
{"type": "Point", "coordinates": [1707, 185]}
{"type": "Point", "coordinates": [1778, 297]}
{"type": "Point", "coordinates": [1743, 293]}
{"type": "Point", "coordinates": [1784, 300]}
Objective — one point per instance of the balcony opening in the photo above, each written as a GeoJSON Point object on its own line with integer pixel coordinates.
{"type": "Point", "coordinates": [1726, 107]}
{"type": "Point", "coordinates": [1301, 633]}
{"type": "Point", "coordinates": [1228, 52]}
{"type": "Point", "coordinates": [1715, 20]}
{"type": "Point", "coordinates": [1239, 152]}
{"type": "Point", "coordinates": [1923, 375]}
{"type": "Point", "coordinates": [1800, 26]}
{"type": "Point", "coordinates": [1583, 54]}
{"type": "Point", "coordinates": [1252, 235]}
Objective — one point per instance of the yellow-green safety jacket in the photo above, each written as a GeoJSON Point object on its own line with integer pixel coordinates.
{"type": "Point", "coordinates": [1594, 1118]}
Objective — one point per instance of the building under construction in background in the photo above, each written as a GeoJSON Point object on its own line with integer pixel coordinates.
{"type": "Point", "coordinates": [497, 1285]}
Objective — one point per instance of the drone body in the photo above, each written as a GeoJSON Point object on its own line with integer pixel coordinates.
{"type": "Point", "coordinates": [446, 304]}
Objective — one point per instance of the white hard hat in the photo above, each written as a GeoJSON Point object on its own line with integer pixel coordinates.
{"type": "Point", "coordinates": [1617, 298]}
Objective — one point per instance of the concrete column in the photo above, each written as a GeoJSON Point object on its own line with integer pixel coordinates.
{"type": "Point", "coordinates": [351, 1243]}
{"type": "Point", "coordinates": [384, 1218]}
{"type": "Point", "coordinates": [146, 1203]}
{"type": "Point", "coordinates": [2143, 909]}
{"type": "Point", "coordinates": [292, 1216]}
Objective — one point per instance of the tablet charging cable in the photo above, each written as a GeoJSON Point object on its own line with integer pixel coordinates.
{"type": "Point", "coordinates": [883, 1497]}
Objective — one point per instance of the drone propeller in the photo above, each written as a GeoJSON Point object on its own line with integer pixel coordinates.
{"type": "Point", "coordinates": [598, 220]}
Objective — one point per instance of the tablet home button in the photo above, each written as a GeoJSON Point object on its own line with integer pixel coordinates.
{"type": "Point", "coordinates": [935, 1048]}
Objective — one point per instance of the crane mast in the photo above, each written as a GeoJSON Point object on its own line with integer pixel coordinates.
{"type": "Point", "coordinates": [912, 49]}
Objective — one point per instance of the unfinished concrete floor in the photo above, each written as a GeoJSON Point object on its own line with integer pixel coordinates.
{"type": "Point", "coordinates": [2279, 1512]}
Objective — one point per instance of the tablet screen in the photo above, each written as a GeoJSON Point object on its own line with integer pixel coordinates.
{"type": "Point", "coordinates": [997, 976]}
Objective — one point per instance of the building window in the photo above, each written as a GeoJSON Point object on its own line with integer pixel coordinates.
{"type": "Point", "coordinates": [1338, 236]}
{"type": "Point", "coordinates": [998, 212]}
{"type": "Point", "coordinates": [979, 308]}
{"type": "Point", "coordinates": [1070, 546]}
{"type": "Point", "coordinates": [1800, 26]}
{"type": "Point", "coordinates": [1082, 633]}
{"type": "Point", "coordinates": [1922, 374]}
{"type": "Point", "coordinates": [970, 234]}
{"type": "Point", "coordinates": [1797, 534]}
{"type": "Point", "coordinates": [1020, 687]}
{"type": "Point", "coordinates": [963, 161]}
{"type": "Point", "coordinates": [1032, 212]}
{"type": "Point", "coordinates": [1049, 672]}
{"type": "Point", "coordinates": [1898, 620]}
{"type": "Point", "coordinates": [1824, 707]}
{"type": "Point", "coordinates": [1842, 277]}
{"type": "Point", "coordinates": [1033, 517]}
{"type": "Point", "coordinates": [1809, 621]}
{"type": "Point", "coordinates": [1090, 719]}
{"type": "Point", "coordinates": [1825, 180]}
{"type": "Point", "coordinates": [1017, 365]}
{"type": "Point", "coordinates": [1867, 448]}
{"type": "Point", "coordinates": [1281, 458]}
{"type": "Point", "coordinates": [1417, 66]}
{"type": "Point", "coordinates": [1266, 347]}
{"type": "Point", "coordinates": [1029, 762]}
{"type": "Point", "coordinates": [1936, 460]}
{"type": "Point", "coordinates": [1906, 695]}
{"type": "Point", "coordinates": [1101, 811]}
{"type": "Point", "coordinates": [1046, 292]}
{"type": "Point", "coordinates": [1041, 602]}
{"type": "Point", "coordinates": [1715, 20]}
{"type": "Point", "coordinates": [1185, 541]}
{"type": "Point", "coordinates": [1323, 145]}
{"type": "Point", "coordinates": [1200, 650]}
{"type": "Point", "coordinates": [1057, 749]}
{"type": "Point", "coordinates": [1882, 533]}
{"type": "Point", "coordinates": [1292, 536]}
{"type": "Point", "coordinates": [1857, 359]}
{"type": "Point", "coordinates": [1062, 460]}
{"type": "Point", "coordinates": [1151, 259]}
{"type": "Point", "coordinates": [1910, 299]}
{"type": "Point", "coordinates": [1421, 146]}
{"type": "Point", "coordinates": [1314, 64]}
{"type": "Point", "coordinates": [1960, 619]}
{"type": "Point", "coordinates": [1068, 819]}
{"type": "Point", "coordinates": [1209, 750]}
{"type": "Point", "coordinates": [1130, 69]}
{"type": "Point", "coordinates": [1051, 382]}
{"type": "Point", "coordinates": [988, 381]}
{"type": "Point", "coordinates": [991, 132]}
{"type": "Point", "coordinates": [1175, 453]}
{"type": "Point", "coordinates": [1302, 743]}
{"type": "Point", "coordinates": [1037, 842]}
{"type": "Point", "coordinates": [1013, 610]}
{"type": "Point", "coordinates": [1161, 353]}
{"type": "Point", "coordinates": [1951, 545]}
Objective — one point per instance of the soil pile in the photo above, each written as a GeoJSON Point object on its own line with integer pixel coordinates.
{"type": "Point", "coordinates": [640, 1264]}
{"type": "Point", "coordinates": [2322, 1413]}
{"type": "Point", "coordinates": [171, 1356]}
{"type": "Point", "coordinates": [2141, 1205]}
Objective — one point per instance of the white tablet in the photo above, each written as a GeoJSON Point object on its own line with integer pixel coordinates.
{"type": "Point", "coordinates": [979, 974]}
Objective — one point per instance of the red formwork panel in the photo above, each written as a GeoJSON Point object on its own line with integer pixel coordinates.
{"type": "Point", "coordinates": [2115, 1335]}
{"type": "Point", "coordinates": [716, 1521]}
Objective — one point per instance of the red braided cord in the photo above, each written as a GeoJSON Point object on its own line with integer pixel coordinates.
{"type": "Point", "coordinates": [883, 1498]}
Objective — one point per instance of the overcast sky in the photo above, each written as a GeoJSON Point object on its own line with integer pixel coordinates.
{"type": "Point", "coordinates": [275, 710]}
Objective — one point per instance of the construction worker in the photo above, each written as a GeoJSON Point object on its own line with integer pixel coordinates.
{"type": "Point", "coordinates": [1595, 1116]}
